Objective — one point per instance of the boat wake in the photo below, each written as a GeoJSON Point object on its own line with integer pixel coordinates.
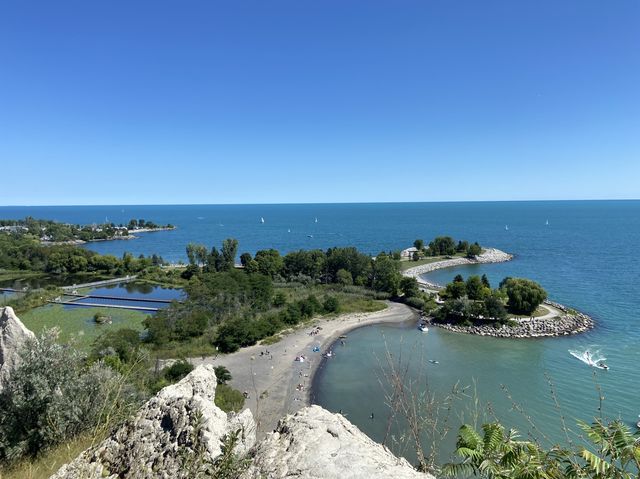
{"type": "Point", "coordinates": [590, 358]}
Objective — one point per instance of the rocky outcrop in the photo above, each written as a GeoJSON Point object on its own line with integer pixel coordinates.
{"type": "Point", "coordinates": [13, 334]}
{"type": "Point", "coordinates": [315, 443]}
{"type": "Point", "coordinates": [177, 434]}
{"type": "Point", "coordinates": [180, 433]}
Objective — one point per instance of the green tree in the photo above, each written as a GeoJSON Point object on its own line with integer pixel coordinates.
{"type": "Point", "coordinates": [418, 244]}
{"type": "Point", "coordinates": [229, 252]}
{"type": "Point", "coordinates": [475, 289]}
{"type": "Point", "coordinates": [197, 254]}
{"type": "Point", "coordinates": [386, 275]}
{"type": "Point", "coordinates": [269, 262]}
{"type": "Point", "coordinates": [485, 281]}
{"type": "Point", "coordinates": [474, 250]}
{"type": "Point", "coordinates": [409, 287]}
{"type": "Point", "coordinates": [442, 245]}
{"type": "Point", "coordinates": [494, 308]}
{"type": "Point", "coordinates": [454, 290]}
{"type": "Point", "coordinates": [462, 247]}
{"type": "Point", "coordinates": [524, 295]}
{"type": "Point", "coordinates": [245, 258]}
{"type": "Point", "coordinates": [344, 277]}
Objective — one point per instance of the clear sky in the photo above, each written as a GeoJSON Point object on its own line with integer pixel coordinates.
{"type": "Point", "coordinates": [267, 101]}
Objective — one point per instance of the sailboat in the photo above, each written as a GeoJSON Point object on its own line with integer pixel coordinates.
{"type": "Point", "coordinates": [547, 223]}
{"type": "Point", "coordinates": [506, 227]}
{"type": "Point", "coordinates": [261, 219]}
{"type": "Point", "coordinates": [289, 230]}
{"type": "Point", "coordinates": [316, 220]}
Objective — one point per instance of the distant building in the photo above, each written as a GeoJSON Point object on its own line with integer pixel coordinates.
{"type": "Point", "coordinates": [408, 253]}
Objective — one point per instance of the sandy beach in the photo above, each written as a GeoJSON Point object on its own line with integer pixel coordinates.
{"type": "Point", "coordinates": [271, 375]}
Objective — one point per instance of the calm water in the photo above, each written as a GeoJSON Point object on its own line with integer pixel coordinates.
{"type": "Point", "coordinates": [586, 257]}
{"type": "Point", "coordinates": [136, 291]}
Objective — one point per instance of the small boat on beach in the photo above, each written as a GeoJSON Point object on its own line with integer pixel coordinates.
{"type": "Point", "coordinates": [423, 327]}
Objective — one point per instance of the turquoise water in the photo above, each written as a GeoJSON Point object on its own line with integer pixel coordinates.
{"type": "Point", "coordinates": [586, 257]}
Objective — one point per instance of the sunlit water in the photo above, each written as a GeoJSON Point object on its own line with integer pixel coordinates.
{"type": "Point", "coordinates": [586, 257]}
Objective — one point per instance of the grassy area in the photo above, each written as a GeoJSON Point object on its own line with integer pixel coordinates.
{"type": "Point", "coordinates": [200, 346]}
{"type": "Point", "coordinates": [541, 311]}
{"type": "Point", "coordinates": [50, 461]}
{"type": "Point", "coordinates": [11, 275]}
{"type": "Point", "coordinates": [77, 322]}
{"type": "Point", "coordinates": [408, 263]}
{"type": "Point", "coordinates": [361, 305]}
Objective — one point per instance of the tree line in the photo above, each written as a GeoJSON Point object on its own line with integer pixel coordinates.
{"type": "Point", "coordinates": [237, 306]}
{"type": "Point", "coordinates": [473, 299]}
{"type": "Point", "coordinates": [446, 246]}
{"type": "Point", "coordinates": [26, 253]}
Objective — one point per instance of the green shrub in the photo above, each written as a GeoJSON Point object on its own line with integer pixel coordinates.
{"type": "Point", "coordinates": [51, 397]}
{"type": "Point", "coordinates": [222, 375]}
{"type": "Point", "coordinates": [331, 304]}
{"type": "Point", "coordinates": [415, 302]}
{"type": "Point", "coordinates": [229, 399]}
{"type": "Point", "coordinates": [177, 370]}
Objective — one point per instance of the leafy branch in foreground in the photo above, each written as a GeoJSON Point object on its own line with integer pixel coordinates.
{"type": "Point", "coordinates": [500, 455]}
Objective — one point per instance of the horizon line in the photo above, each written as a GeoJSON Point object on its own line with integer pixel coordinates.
{"type": "Point", "coordinates": [318, 203]}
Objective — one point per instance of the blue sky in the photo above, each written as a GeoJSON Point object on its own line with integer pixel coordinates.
{"type": "Point", "coordinates": [125, 102]}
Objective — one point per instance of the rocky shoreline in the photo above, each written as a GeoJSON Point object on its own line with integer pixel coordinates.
{"type": "Point", "coordinates": [489, 255]}
{"type": "Point", "coordinates": [567, 323]}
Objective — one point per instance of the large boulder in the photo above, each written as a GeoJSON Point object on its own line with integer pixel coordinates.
{"type": "Point", "coordinates": [177, 434]}
{"type": "Point", "coordinates": [315, 443]}
{"type": "Point", "coordinates": [13, 334]}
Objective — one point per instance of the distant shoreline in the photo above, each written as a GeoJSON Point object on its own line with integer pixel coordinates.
{"type": "Point", "coordinates": [77, 242]}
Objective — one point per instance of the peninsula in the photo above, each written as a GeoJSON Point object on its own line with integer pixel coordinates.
{"type": "Point", "coordinates": [546, 319]}
{"type": "Point", "coordinates": [55, 233]}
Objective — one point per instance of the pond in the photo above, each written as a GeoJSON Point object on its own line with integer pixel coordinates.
{"type": "Point", "coordinates": [77, 324]}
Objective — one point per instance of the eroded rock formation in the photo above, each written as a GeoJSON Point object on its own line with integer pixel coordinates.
{"type": "Point", "coordinates": [315, 443]}
{"type": "Point", "coordinates": [177, 434]}
{"type": "Point", "coordinates": [13, 334]}
{"type": "Point", "coordinates": [180, 433]}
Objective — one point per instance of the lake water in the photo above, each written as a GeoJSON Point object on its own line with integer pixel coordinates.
{"type": "Point", "coordinates": [586, 257]}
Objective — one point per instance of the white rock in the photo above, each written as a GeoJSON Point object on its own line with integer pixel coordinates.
{"type": "Point", "coordinates": [160, 441]}
{"type": "Point", "coordinates": [13, 334]}
{"type": "Point", "coordinates": [315, 443]}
